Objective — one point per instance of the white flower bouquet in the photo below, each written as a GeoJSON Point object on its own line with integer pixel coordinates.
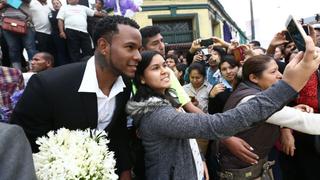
{"type": "Point", "coordinates": [77, 154]}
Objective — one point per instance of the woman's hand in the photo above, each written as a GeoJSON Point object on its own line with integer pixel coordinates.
{"type": "Point", "coordinates": [217, 89]}
{"type": "Point", "coordinates": [287, 141]}
{"type": "Point", "coordinates": [304, 108]}
{"type": "Point", "coordinates": [241, 149]}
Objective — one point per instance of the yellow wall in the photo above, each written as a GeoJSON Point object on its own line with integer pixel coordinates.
{"type": "Point", "coordinates": [203, 22]}
{"type": "Point", "coordinates": [166, 2]}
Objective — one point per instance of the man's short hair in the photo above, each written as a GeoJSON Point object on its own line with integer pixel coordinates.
{"type": "Point", "coordinates": [48, 57]}
{"type": "Point", "coordinates": [148, 32]}
{"type": "Point", "coordinates": [108, 26]}
{"type": "Point", "coordinates": [255, 43]}
{"type": "Point", "coordinates": [174, 57]}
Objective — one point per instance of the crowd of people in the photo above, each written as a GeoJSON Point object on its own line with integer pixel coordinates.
{"type": "Point", "coordinates": [205, 114]}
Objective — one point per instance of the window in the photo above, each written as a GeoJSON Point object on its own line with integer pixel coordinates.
{"type": "Point", "coordinates": [176, 31]}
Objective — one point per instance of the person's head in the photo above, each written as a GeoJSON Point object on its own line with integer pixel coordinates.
{"type": "Point", "coordinates": [172, 60]}
{"type": "Point", "coordinates": [152, 78]}
{"type": "Point", "coordinates": [41, 61]}
{"type": "Point", "coordinates": [153, 72]}
{"type": "Point", "coordinates": [215, 58]}
{"type": "Point", "coordinates": [152, 39]}
{"type": "Point", "coordinates": [73, 2]}
{"type": "Point", "coordinates": [229, 67]}
{"type": "Point", "coordinates": [43, 1]}
{"type": "Point", "coordinates": [118, 41]}
{"type": "Point", "coordinates": [259, 50]}
{"type": "Point", "coordinates": [261, 70]}
{"type": "Point", "coordinates": [255, 43]}
{"type": "Point", "coordinates": [99, 5]}
{"type": "Point", "coordinates": [171, 52]}
{"type": "Point", "coordinates": [197, 74]}
{"type": "Point", "coordinates": [317, 31]}
{"type": "Point", "coordinates": [56, 4]}
{"type": "Point", "coordinates": [179, 71]}
{"type": "Point", "coordinates": [278, 53]}
{"type": "Point", "coordinates": [288, 49]}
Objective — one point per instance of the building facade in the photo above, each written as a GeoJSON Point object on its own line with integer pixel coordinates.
{"type": "Point", "coordinates": [182, 21]}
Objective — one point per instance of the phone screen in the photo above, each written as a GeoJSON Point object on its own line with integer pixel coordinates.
{"type": "Point", "coordinates": [296, 35]}
{"type": "Point", "coordinates": [206, 42]}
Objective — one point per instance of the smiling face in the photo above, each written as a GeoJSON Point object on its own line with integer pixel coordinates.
{"type": "Point", "coordinates": [268, 77]}
{"type": "Point", "coordinates": [228, 72]}
{"type": "Point", "coordinates": [122, 54]}
{"type": "Point", "coordinates": [157, 75]}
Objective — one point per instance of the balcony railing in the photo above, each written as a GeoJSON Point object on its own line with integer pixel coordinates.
{"type": "Point", "coordinates": [172, 37]}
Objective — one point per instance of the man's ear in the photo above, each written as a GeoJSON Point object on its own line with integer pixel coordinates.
{"type": "Point", "coordinates": [49, 64]}
{"type": "Point", "coordinates": [103, 46]}
{"type": "Point", "coordinates": [253, 78]}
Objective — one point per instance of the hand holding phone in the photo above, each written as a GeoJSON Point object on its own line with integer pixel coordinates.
{"type": "Point", "coordinates": [296, 33]}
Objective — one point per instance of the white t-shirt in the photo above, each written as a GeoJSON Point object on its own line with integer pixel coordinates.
{"type": "Point", "coordinates": [75, 17]}
{"type": "Point", "coordinates": [39, 14]}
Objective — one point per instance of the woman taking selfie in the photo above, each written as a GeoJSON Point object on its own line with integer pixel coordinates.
{"type": "Point", "coordinates": [166, 133]}
{"type": "Point", "coordinates": [258, 74]}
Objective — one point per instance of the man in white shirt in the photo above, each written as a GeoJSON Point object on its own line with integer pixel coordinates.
{"type": "Point", "coordinates": [39, 11]}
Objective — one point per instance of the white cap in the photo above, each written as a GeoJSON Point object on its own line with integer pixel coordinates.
{"type": "Point", "coordinates": [316, 26]}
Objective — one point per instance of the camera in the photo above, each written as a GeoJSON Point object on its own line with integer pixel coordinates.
{"type": "Point", "coordinates": [206, 42]}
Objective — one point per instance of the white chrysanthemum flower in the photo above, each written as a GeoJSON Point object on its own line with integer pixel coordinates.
{"type": "Point", "coordinates": [77, 154]}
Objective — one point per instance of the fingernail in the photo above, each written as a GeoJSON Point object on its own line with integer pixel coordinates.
{"type": "Point", "coordinates": [251, 148]}
{"type": "Point", "coordinates": [257, 157]}
{"type": "Point", "coordinates": [256, 162]}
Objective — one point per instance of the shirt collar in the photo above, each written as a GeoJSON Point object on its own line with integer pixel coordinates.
{"type": "Point", "coordinates": [90, 84]}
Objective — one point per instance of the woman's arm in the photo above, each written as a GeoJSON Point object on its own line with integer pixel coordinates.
{"type": "Point", "coordinates": [170, 123]}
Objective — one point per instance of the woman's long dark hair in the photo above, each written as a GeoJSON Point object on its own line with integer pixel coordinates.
{"type": "Point", "coordinates": [143, 90]}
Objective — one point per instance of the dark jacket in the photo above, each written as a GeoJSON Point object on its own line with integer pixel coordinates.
{"type": "Point", "coordinates": [261, 137]}
{"type": "Point", "coordinates": [51, 101]}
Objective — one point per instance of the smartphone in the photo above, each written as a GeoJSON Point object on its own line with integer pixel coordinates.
{"type": "Point", "coordinates": [296, 33]}
{"type": "Point", "coordinates": [206, 42]}
{"type": "Point", "coordinates": [238, 54]}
